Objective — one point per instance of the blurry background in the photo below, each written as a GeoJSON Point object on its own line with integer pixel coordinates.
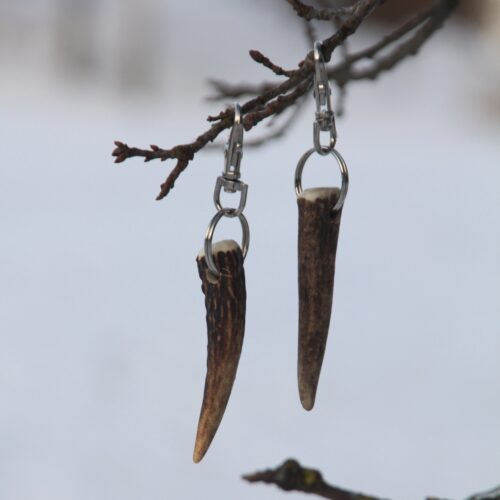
{"type": "Point", "coordinates": [102, 327]}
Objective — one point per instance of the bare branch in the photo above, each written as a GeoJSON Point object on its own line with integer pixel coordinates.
{"type": "Point", "coordinates": [272, 99]}
{"type": "Point", "coordinates": [291, 476]}
{"type": "Point", "coordinates": [343, 72]}
{"type": "Point", "coordinates": [279, 131]}
{"type": "Point", "coordinates": [308, 13]}
{"type": "Point", "coordinates": [225, 90]}
{"type": "Point", "coordinates": [310, 32]}
{"type": "Point", "coordinates": [493, 494]}
{"type": "Point", "coordinates": [396, 34]}
{"type": "Point", "coordinates": [409, 47]}
{"type": "Point", "coordinates": [265, 61]}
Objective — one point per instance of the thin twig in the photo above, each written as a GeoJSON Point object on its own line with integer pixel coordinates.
{"type": "Point", "coordinates": [279, 131]}
{"type": "Point", "coordinates": [291, 476]}
{"type": "Point", "coordinates": [255, 110]}
{"type": "Point", "coordinates": [310, 32]}
{"type": "Point", "coordinates": [265, 61]}
{"type": "Point", "coordinates": [272, 99]}
{"type": "Point", "coordinates": [406, 48]}
{"type": "Point", "coordinates": [341, 73]}
{"type": "Point", "coordinates": [395, 35]}
{"type": "Point", "coordinates": [276, 130]}
{"type": "Point", "coordinates": [308, 12]}
{"type": "Point", "coordinates": [493, 494]}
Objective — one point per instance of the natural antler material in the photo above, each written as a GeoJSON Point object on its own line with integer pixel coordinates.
{"type": "Point", "coordinates": [317, 248]}
{"type": "Point", "coordinates": [225, 301]}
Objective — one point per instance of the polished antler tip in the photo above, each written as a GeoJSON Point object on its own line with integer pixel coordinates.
{"type": "Point", "coordinates": [201, 445]}
{"type": "Point", "coordinates": [307, 400]}
{"type": "Point", "coordinates": [308, 406]}
{"type": "Point", "coordinates": [197, 456]}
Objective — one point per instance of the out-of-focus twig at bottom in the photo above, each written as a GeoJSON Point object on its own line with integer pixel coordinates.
{"type": "Point", "coordinates": [291, 476]}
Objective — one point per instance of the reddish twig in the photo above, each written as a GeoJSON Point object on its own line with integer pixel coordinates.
{"type": "Point", "coordinates": [344, 72]}
{"type": "Point", "coordinates": [272, 99]}
{"type": "Point", "coordinates": [265, 61]}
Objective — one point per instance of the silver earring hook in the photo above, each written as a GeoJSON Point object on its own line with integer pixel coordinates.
{"type": "Point", "coordinates": [233, 153]}
{"type": "Point", "coordinates": [230, 182]}
{"type": "Point", "coordinates": [234, 150]}
{"type": "Point", "coordinates": [325, 118]}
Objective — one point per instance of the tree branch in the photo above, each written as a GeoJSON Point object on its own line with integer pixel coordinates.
{"type": "Point", "coordinates": [272, 99]}
{"type": "Point", "coordinates": [308, 13]}
{"type": "Point", "coordinates": [493, 494]}
{"type": "Point", "coordinates": [409, 47]}
{"type": "Point", "coordinates": [260, 58]}
{"type": "Point", "coordinates": [291, 476]}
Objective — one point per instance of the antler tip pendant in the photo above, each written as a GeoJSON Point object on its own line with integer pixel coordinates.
{"type": "Point", "coordinates": [225, 301]}
{"type": "Point", "coordinates": [320, 210]}
{"type": "Point", "coordinates": [318, 235]}
{"type": "Point", "coordinates": [220, 267]}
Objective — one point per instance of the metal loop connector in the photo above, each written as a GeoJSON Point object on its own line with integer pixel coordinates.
{"type": "Point", "coordinates": [225, 212]}
{"type": "Point", "coordinates": [343, 172]}
{"type": "Point", "coordinates": [234, 186]}
{"type": "Point", "coordinates": [325, 117]}
{"type": "Point", "coordinates": [318, 147]}
{"type": "Point", "coordinates": [230, 182]}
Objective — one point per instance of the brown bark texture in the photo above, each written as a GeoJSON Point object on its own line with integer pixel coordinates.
{"type": "Point", "coordinates": [225, 302]}
{"type": "Point", "coordinates": [317, 249]}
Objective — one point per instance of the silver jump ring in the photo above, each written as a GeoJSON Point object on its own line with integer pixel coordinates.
{"type": "Point", "coordinates": [343, 171]}
{"type": "Point", "coordinates": [225, 212]}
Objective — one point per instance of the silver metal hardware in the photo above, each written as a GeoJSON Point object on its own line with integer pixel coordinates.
{"type": "Point", "coordinates": [230, 178]}
{"type": "Point", "coordinates": [233, 152]}
{"type": "Point", "coordinates": [343, 171]}
{"type": "Point", "coordinates": [230, 182]}
{"type": "Point", "coordinates": [237, 186]}
{"type": "Point", "coordinates": [209, 256]}
{"type": "Point", "coordinates": [325, 117]}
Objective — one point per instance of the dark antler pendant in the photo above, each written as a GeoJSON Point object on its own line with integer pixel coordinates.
{"type": "Point", "coordinates": [225, 301]}
{"type": "Point", "coordinates": [318, 235]}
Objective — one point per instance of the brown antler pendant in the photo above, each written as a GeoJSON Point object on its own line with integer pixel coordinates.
{"type": "Point", "coordinates": [225, 301]}
{"type": "Point", "coordinates": [318, 236]}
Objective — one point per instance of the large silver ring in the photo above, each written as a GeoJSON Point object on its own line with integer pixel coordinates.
{"type": "Point", "coordinates": [225, 212]}
{"type": "Point", "coordinates": [343, 171]}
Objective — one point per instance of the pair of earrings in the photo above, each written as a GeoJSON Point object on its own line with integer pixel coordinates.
{"type": "Point", "coordinates": [221, 270]}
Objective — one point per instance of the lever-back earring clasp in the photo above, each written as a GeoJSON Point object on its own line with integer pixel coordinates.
{"type": "Point", "coordinates": [325, 118]}
{"type": "Point", "coordinates": [231, 183]}
{"type": "Point", "coordinates": [233, 151]}
{"type": "Point", "coordinates": [230, 178]}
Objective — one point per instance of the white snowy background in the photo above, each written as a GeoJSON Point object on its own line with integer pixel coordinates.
{"type": "Point", "coordinates": [102, 327]}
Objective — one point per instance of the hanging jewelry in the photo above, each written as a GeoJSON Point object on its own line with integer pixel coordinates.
{"type": "Point", "coordinates": [220, 267]}
{"type": "Point", "coordinates": [320, 210]}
